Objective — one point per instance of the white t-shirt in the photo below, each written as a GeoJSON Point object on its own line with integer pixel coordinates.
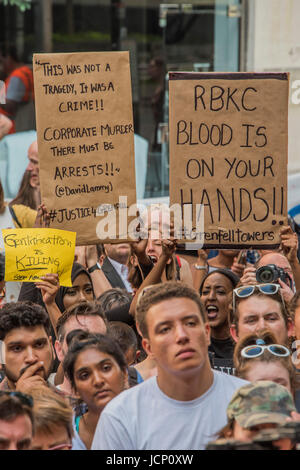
{"type": "Point", "coordinates": [144, 418]}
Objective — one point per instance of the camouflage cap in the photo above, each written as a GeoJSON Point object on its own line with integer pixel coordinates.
{"type": "Point", "coordinates": [259, 403]}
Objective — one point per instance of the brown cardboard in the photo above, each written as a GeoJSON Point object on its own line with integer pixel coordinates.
{"type": "Point", "coordinates": [214, 119]}
{"type": "Point", "coordinates": [85, 139]}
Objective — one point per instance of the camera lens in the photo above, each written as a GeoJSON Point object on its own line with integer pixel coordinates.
{"type": "Point", "coordinates": [265, 274]}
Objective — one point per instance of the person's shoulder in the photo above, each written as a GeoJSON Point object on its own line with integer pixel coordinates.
{"type": "Point", "coordinates": [132, 396]}
{"type": "Point", "coordinates": [228, 380]}
{"type": "Point", "coordinates": [25, 215]}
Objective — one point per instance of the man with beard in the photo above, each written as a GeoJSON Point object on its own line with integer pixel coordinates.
{"type": "Point", "coordinates": [28, 351]}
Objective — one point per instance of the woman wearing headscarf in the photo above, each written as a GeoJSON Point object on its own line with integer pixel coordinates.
{"type": "Point", "coordinates": [55, 299]}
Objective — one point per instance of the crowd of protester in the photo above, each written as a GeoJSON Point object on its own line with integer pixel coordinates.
{"type": "Point", "coordinates": [152, 347]}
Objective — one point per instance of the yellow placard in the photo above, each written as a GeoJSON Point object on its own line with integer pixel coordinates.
{"type": "Point", "coordinates": [33, 252]}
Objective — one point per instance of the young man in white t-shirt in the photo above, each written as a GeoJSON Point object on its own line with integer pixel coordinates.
{"type": "Point", "coordinates": [185, 405]}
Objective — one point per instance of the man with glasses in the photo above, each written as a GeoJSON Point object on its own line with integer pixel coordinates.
{"type": "Point", "coordinates": [258, 307]}
{"type": "Point", "coordinates": [16, 421]}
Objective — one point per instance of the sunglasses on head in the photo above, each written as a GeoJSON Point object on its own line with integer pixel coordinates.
{"type": "Point", "coordinates": [258, 349]}
{"type": "Point", "coordinates": [26, 400]}
{"type": "Point", "coordinates": [245, 291]}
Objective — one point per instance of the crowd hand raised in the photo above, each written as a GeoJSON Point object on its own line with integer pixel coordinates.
{"type": "Point", "coordinates": [203, 255]}
{"type": "Point", "coordinates": [139, 247]}
{"type": "Point", "coordinates": [80, 255]}
{"type": "Point", "coordinates": [237, 268]}
{"type": "Point", "coordinates": [289, 243]}
{"type": "Point", "coordinates": [286, 291]}
{"type": "Point", "coordinates": [42, 218]}
{"type": "Point", "coordinates": [249, 276]}
{"type": "Point", "coordinates": [29, 380]}
{"type": "Point", "coordinates": [91, 255]}
{"type": "Point", "coordinates": [168, 247]}
{"type": "Point", "coordinates": [49, 285]}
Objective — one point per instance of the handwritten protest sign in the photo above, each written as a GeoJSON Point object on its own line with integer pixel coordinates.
{"type": "Point", "coordinates": [228, 153]}
{"type": "Point", "coordinates": [31, 253]}
{"type": "Point", "coordinates": [85, 139]}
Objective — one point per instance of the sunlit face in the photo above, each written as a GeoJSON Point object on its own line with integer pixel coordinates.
{"type": "Point", "coordinates": [24, 347]}
{"type": "Point", "coordinates": [56, 439]}
{"type": "Point", "coordinates": [90, 323]}
{"type": "Point", "coordinates": [177, 339]}
{"type": "Point", "coordinates": [271, 370]}
{"type": "Point", "coordinates": [98, 378]}
{"type": "Point", "coordinates": [259, 313]}
{"type": "Point", "coordinates": [16, 434]}
{"type": "Point", "coordinates": [215, 297]}
{"type": "Point", "coordinates": [33, 165]}
{"type": "Point", "coordinates": [81, 290]}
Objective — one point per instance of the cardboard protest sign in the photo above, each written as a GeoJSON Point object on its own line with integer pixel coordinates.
{"type": "Point", "coordinates": [31, 253]}
{"type": "Point", "coordinates": [228, 152]}
{"type": "Point", "coordinates": [85, 140]}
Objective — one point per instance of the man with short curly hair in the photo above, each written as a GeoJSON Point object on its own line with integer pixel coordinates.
{"type": "Point", "coordinates": [28, 350]}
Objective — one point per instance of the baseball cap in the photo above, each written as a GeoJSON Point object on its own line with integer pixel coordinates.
{"type": "Point", "coordinates": [261, 402]}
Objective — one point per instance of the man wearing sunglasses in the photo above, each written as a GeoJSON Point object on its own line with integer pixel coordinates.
{"type": "Point", "coordinates": [258, 307]}
{"type": "Point", "coordinates": [16, 421]}
{"type": "Point", "coordinates": [28, 350]}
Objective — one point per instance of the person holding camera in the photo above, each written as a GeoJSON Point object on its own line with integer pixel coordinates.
{"type": "Point", "coordinates": [282, 267]}
{"type": "Point", "coordinates": [260, 306]}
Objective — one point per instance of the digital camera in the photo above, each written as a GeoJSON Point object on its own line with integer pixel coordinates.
{"type": "Point", "coordinates": [271, 273]}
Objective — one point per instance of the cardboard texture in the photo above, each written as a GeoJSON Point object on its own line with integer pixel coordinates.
{"type": "Point", "coordinates": [34, 252]}
{"type": "Point", "coordinates": [85, 140]}
{"type": "Point", "coordinates": [228, 152]}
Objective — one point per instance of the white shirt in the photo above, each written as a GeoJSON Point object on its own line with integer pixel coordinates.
{"type": "Point", "coordinates": [144, 418]}
{"type": "Point", "coordinates": [122, 270]}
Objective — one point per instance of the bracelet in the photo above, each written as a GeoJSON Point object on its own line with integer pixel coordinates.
{"type": "Point", "coordinates": [93, 268]}
{"type": "Point", "coordinates": [197, 266]}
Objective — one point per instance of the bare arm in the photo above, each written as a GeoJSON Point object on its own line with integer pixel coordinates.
{"type": "Point", "coordinates": [200, 269]}
{"type": "Point", "coordinates": [100, 281]}
{"type": "Point", "coordinates": [49, 286]}
{"type": "Point", "coordinates": [154, 277]}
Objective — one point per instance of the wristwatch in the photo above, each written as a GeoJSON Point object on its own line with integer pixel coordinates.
{"type": "Point", "coordinates": [197, 266]}
{"type": "Point", "coordinates": [93, 268]}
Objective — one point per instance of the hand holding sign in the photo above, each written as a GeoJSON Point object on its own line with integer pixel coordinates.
{"type": "Point", "coordinates": [49, 285]}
